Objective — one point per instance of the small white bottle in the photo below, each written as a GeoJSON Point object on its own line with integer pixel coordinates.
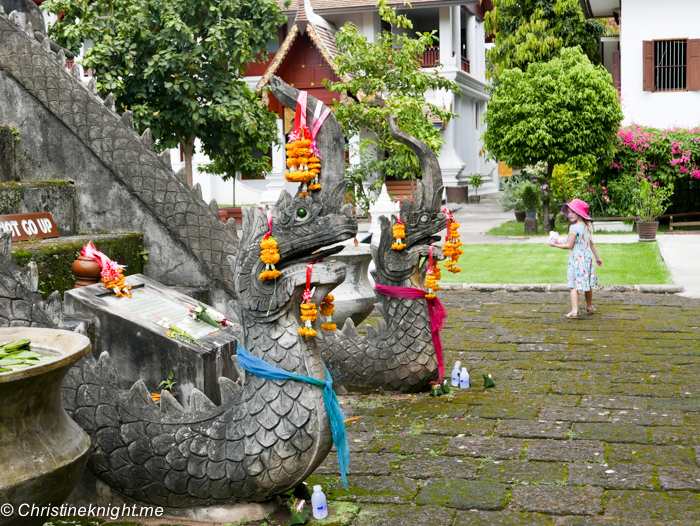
{"type": "Point", "coordinates": [464, 379]}
{"type": "Point", "coordinates": [455, 374]}
{"type": "Point", "coordinates": [318, 503]}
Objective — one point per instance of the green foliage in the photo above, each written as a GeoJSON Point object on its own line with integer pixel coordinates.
{"type": "Point", "coordinates": [530, 196]}
{"type": "Point", "coordinates": [569, 183]}
{"type": "Point", "coordinates": [509, 198]}
{"type": "Point", "coordinates": [168, 383]}
{"type": "Point", "coordinates": [651, 200]}
{"type": "Point", "coordinates": [528, 31]}
{"type": "Point", "coordinates": [564, 111]}
{"type": "Point", "coordinates": [477, 181]}
{"type": "Point", "coordinates": [387, 79]}
{"type": "Point", "coordinates": [178, 65]}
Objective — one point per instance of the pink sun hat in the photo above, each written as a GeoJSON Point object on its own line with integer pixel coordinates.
{"type": "Point", "coordinates": [578, 206]}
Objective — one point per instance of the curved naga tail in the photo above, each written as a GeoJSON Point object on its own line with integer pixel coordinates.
{"type": "Point", "coordinates": [400, 355]}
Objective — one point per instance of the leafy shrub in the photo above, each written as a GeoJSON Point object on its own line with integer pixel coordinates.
{"type": "Point", "coordinates": [530, 196]}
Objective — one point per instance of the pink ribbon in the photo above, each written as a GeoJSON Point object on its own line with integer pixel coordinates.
{"type": "Point", "coordinates": [436, 311]}
{"type": "Point", "coordinates": [269, 225]}
{"type": "Point", "coordinates": [109, 268]}
{"type": "Point", "coordinates": [316, 126]}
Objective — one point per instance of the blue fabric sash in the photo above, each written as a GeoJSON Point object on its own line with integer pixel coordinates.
{"type": "Point", "coordinates": [261, 368]}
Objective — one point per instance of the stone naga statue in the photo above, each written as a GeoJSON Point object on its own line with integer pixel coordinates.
{"type": "Point", "coordinates": [401, 355]}
{"type": "Point", "coordinates": [266, 437]}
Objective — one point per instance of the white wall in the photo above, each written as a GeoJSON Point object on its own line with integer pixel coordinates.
{"type": "Point", "coordinates": [650, 20]}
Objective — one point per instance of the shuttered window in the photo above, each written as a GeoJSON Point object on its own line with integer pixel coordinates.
{"type": "Point", "coordinates": [671, 65]}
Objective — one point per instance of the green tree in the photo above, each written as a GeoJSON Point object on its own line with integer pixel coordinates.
{"type": "Point", "coordinates": [529, 31]}
{"type": "Point", "coordinates": [564, 111]}
{"type": "Point", "coordinates": [387, 79]}
{"type": "Point", "coordinates": [178, 66]}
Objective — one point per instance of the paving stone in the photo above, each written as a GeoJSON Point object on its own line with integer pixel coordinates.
{"type": "Point", "coordinates": [687, 435]}
{"type": "Point", "coordinates": [659, 506]}
{"type": "Point", "coordinates": [566, 450]}
{"type": "Point", "coordinates": [613, 476]}
{"type": "Point", "coordinates": [681, 404]}
{"type": "Point", "coordinates": [500, 518]}
{"type": "Point", "coordinates": [504, 412]}
{"type": "Point", "coordinates": [611, 432]}
{"type": "Point", "coordinates": [460, 426]}
{"type": "Point", "coordinates": [377, 490]}
{"type": "Point", "coordinates": [463, 494]}
{"type": "Point", "coordinates": [643, 389]}
{"type": "Point", "coordinates": [614, 402]}
{"type": "Point", "coordinates": [652, 417]}
{"type": "Point", "coordinates": [520, 471]}
{"type": "Point", "coordinates": [532, 429]}
{"type": "Point", "coordinates": [360, 464]}
{"type": "Point", "coordinates": [558, 400]}
{"type": "Point", "coordinates": [575, 414]}
{"type": "Point", "coordinates": [677, 478]}
{"type": "Point", "coordinates": [408, 444]}
{"type": "Point", "coordinates": [386, 515]}
{"type": "Point", "coordinates": [425, 467]}
{"type": "Point", "coordinates": [540, 347]}
{"type": "Point", "coordinates": [581, 388]}
{"type": "Point", "coordinates": [558, 500]}
{"type": "Point", "coordinates": [654, 455]}
{"type": "Point", "coordinates": [358, 441]}
{"type": "Point", "coordinates": [498, 448]}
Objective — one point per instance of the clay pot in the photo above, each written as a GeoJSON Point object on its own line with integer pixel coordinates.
{"type": "Point", "coordinates": [647, 231]}
{"type": "Point", "coordinates": [87, 271]}
{"type": "Point", "coordinates": [520, 217]}
{"type": "Point", "coordinates": [42, 451]}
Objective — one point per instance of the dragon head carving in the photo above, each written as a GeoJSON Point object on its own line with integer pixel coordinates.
{"type": "Point", "coordinates": [302, 226]}
{"type": "Point", "coordinates": [422, 218]}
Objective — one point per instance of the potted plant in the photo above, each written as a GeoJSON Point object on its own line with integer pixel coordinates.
{"type": "Point", "coordinates": [509, 198]}
{"type": "Point", "coordinates": [530, 198]}
{"type": "Point", "coordinates": [650, 201]}
{"type": "Point", "coordinates": [476, 181]}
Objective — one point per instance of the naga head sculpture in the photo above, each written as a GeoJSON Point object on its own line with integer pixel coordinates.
{"type": "Point", "coordinates": [422, 218]}
{"type": "Point", "coordinates": [302, 225]}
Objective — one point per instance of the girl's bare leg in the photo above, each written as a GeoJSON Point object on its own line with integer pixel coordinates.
{"type": "Point", "coordinates": [589, 298]}
{"type": "Point", "coordinates": [574, 300]}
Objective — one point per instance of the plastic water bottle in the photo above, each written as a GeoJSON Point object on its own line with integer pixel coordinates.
{"type": "Point", "coordinates": [464, 379]}
{"type": "Point", "coordinates": [318, 502]}
{"type": "Point", "coordinates": [455, 375]}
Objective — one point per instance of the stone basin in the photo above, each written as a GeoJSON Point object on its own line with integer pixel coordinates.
{"type": "Point", "coordinates": [355, 297]}
{"type": "Point", "coordinates": [42, 451]}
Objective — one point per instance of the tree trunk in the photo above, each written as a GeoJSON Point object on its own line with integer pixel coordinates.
{"type": "Point", "coordinates": [187, 146]}
{"type": "Point", "coordinates": [546, 224]}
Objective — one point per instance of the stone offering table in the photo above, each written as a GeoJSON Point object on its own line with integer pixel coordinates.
{"type": "Point", "coordinates": [127, 328]}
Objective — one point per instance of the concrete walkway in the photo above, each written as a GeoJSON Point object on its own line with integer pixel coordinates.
{"type": "Point", "coordinates": [682, 254]}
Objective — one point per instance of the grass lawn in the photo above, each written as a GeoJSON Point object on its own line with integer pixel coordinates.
{"type": "Point", "coordinates": [623, 264]}
{"type": "Point", "coordinates": [516, 229]}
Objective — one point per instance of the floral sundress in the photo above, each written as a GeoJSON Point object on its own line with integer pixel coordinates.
{"type": "Point", "coordinates": [581, 272]}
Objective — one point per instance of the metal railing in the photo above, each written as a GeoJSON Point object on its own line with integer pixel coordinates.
{"type": "Point", "coordinates": [431, 59]}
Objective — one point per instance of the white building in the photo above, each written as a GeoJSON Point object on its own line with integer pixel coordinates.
{"type": "Point", "coordinates": [304, 56]}
{"type": "Point", "coordinates": [656, 59]}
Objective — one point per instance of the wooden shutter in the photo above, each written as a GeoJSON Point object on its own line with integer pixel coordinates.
{"type": "Point", "coordinates": [616, 69]}
{"type": "Point", "coordinates": [694, 64]}
{"type": "Point", "coordinates": [648, 68]}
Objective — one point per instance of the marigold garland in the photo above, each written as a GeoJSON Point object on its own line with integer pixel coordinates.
{"type": "Point", "coordinates": [118, 285]}
{"type": "Point", "coordinates": [432, 275]}
{"type": "Point", "coordinates": [451, 247]}
{"type": "Point", "coordinates": [308, 314]}
{"type": "Point", "coordinates": [399, 232]}
{"type": "Point", "coordinates": [327, 309]}
{"type": "Point", "coordinates": [303, 165]}
{"type": "Point", "coordinates": [269, 254]}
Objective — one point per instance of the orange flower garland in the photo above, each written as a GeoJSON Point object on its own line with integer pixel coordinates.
{"type": "Point", "coordinates": [399, 232]}
{"type": "Point", "coordinates": [327, 310]}
{"type": "Point", "coordinates": [452, 243]}
{"type": "Point", "coordinates": [432, 275]}
{"type": "Point", "coordinates": [308, 314]}
{"type": "Point", "coordinates": [118, 285]}
{"type": "Point", "coordinates": [269, 253]}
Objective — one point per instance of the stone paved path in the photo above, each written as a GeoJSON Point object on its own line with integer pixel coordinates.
{"type": "Point", "coordinates": [591, 422]}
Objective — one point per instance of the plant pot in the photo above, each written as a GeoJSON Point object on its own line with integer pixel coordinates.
{"type": "Point", "coordinates": [474, 199]}
{"type": "Point", "coordinates": [42, 451]}
{"type": "Point", "coordinates": [457, 194]}
{"type": "Point", "coordinates": [355, 297]}
{"type": "Point", "coordinates": [520, 217]}
{"type": "Point", "coordinates": [531, 214]}
{"type": "Point", "coordinates": [647, 230]}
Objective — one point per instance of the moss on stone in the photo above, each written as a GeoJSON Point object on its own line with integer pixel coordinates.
{"type": "Point", "coordinates": [54, 257]}
{"type": "Point", "coordinates": [10, 198]}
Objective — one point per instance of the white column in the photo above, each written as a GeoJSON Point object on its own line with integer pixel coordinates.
{"type": "Point", "coordinates": [480, 47]}
{"type": "Point", "coordinates": [445, 26]}
{"type": "Point", "coordinates": [276, 181]}
{"type": "Point", "coordinates": [456, 35]}
{"type": "Point", "coordinates": [370, 25]}
{"type": "Point", "coordinates": [472, 46]}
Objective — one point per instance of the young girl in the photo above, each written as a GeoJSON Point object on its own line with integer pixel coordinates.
{"type": "Point", "coordinates": [581, 272]}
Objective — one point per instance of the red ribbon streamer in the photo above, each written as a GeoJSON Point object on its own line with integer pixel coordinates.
{"type": "Point", "coordinates": [269, 225]}
{"type": "Point", "coordinates": [436, 310]}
